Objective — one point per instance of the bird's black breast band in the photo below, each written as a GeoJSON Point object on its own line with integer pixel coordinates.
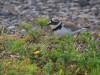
{"type": "Point", "coordinates": [58, 27]}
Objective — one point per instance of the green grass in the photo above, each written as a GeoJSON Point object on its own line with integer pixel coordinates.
{"type": "Point", "coordinates": [63, 56]}
{"type": "Point", "coordinates": [16, 46]}
{"type": "Point", "coordinates": [41, 21]}
{"type": "Point", "coordinates": [15, 67]}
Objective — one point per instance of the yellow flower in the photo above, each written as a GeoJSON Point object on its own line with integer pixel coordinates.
{"type": "Point", "coordinates": [36, 52]}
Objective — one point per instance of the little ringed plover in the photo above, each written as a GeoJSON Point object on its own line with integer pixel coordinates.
{"type": "Point", "coordinates": [61, 28]}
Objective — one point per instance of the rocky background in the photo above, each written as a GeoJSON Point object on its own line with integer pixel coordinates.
{"type": "Point", "coordinates": [80, 12]}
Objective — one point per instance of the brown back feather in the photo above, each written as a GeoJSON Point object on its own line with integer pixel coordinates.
{"type": "Point", "coordinates": [71, 25]}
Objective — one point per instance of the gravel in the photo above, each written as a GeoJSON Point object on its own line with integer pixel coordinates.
{"type": "Point", "coordinates": [12, 11]}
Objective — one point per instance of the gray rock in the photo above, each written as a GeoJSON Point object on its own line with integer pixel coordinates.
{"type": "Point", "coordinates": [75, 0]}
{"type": "Point", "coordinates": [83, 16]}
{"type": "Point", "coordinates": [94, 2]}
{"type": "Point", "coordinates": [83, 3]}
{"type": "Point", "coordinates": [48, 10]}
{"type": "Point", "coordinates": [11, 28]}
{"type": "Point", "coordinates": [93, 9]}
{"type": "Point", "coordinates": [6, 14]}
{"type": "Point", "coordinates": [50, 1]}
{"type": "Point", "coordinates": [86, 10]}
{"type": "Point", "coordinates": [44, 7]}
{"type": "Point", "coordinates": [5, 23]}
{"type": "Point", "coordinates": [74, 8]}
{"type": "Point", "coordinates": [23, 32]}
{"type": "Point", "coordinates": [97, 12]}
{"type": "Point", "coordinates": [12, 11]}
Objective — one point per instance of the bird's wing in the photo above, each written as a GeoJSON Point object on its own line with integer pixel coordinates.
{"type": "Point", "coordinates": [72, 26]}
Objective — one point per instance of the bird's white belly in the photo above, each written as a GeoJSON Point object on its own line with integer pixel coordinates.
{"type": "Point", "coordinates": [63, 31]}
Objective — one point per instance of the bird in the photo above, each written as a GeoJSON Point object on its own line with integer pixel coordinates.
{"type": "Point", "coordinates": [62, 28]}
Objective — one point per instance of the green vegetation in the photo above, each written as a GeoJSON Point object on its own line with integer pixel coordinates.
{"type": "Point", "coordinates": [35, 54]}
{"type": "Point", "coordinates": [42, 21]}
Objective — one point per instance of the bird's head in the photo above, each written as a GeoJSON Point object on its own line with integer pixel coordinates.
{"type": "Point", "coordinates": [53, 21]}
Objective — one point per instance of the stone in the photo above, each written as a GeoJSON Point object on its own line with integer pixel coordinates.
{"type": "Point", "coordinates": [86, 10]}
{"type": "Point", "coordinates": [63, 1]}
{"type": "Point", "coordinates": [12, 11]}
{"type": "Point", "coordinates": [74, 8]}
{"type": "Point", "coordinates": [50, 1]}
{"type": "Point", "coordinates": [76, 4]}
{"type": "Point", "coordinates": [83, 16]}
{"type": "Point", "coordinates": [61, 12]}
{"type": "Point", "coordinates": [93, 9]}
{"type": "Point", "coordinates": [44, 7]}
{"type": "Point", "coordinates": [44, 1]}
{"type": "Point", "coordinates": [5, 23]}
{"type": "Point", "coordinates": [49, 10]}
{"type": "Point", "coordinates": [64, 10]}
{"type": "Point", "coordinates": [97, 12]}
{"type": "Point", "coordinates": [83, 3]}
{"type": "Point", "coordinates": [74, 16]}
{"type": "Point", "coordinates": [75, 0]}
{"type": "Point", "coordinates": [5, 14]}
{"type": "Point", "coordinates": [11, 27]}
{"type": "Point", "coordinates": [40, 4]}
{"type": "Point", "coordinates": [51, 5]}
{"type": "Point", "coordinates": [33, 2]}
{"type": "Point", "coordinates": [23, 32]}
{"type": "Point", "coordinates": [94, 2]}
{"type": "Point", "coordinates": [94, 20]}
